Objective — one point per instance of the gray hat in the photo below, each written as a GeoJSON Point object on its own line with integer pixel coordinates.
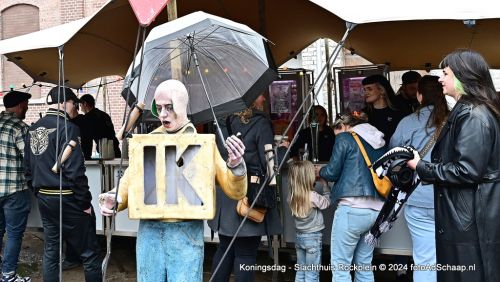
{"type": "Point", "coordinates": [66, 94]}
{"type": "Point", "coordinates": [14, 98]}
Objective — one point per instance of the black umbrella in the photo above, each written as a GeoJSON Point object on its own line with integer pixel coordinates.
{"type": "Point", "coordinates": [224, 65]}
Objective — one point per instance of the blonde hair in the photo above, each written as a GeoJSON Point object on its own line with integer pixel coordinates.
{"type": "Point", "coordinates": [245, 115]}
{"type": "Point", "coordinates": [301, 177]}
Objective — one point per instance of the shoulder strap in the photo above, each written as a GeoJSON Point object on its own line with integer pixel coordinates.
{"type": "Point", "coordinates": [432, 140]}
{"type": "Point", "coordinates": [362, 148]}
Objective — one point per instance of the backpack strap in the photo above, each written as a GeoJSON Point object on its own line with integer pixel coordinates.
{"type": "Point", "coordinates": [362, 149]}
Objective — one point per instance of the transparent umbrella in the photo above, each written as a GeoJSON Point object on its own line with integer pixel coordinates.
{"type": "Point", "coordinates": [224, 65]}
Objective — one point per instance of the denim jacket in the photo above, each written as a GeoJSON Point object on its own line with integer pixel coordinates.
{"type": "Point", "coordinates": [412, 131]}
{"type": "Point", "coordinates": [348, 169]}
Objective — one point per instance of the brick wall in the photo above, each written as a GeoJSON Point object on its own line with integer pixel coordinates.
{"type": "Point", "coordinates": [314, 58]}
{"type": "Point", "coordinates": [71, 10]}
{"type": "Point", "coordinates": [52, 13]}
{"type": "Point", "coordinates": [17, 20]}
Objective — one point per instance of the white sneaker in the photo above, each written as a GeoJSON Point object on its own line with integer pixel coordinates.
{"type": "Point", "coordinates": [14, 278]}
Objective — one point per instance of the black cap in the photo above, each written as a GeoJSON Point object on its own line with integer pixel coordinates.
{"type": "Point", "coordinates": [375, 78]}
{"type": "Point", "coordinates": [410, 77]}
{"type": "Point", "coordinates": [66, 95]}
{"type": "Point", "coordinates": [14, 98]}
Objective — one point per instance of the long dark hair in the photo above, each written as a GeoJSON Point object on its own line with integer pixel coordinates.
{"type": "Point", "coordinates": [312, 113]}
{"type": "Point", "coordinates": [432, 94]}
{"type": "Point", "coordinates": [473, 72]}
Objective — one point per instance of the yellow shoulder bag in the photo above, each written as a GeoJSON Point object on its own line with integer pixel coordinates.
{"type": "Point", "coordinates": [383, 185]}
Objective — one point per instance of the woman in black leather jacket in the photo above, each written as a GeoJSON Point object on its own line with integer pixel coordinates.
{"type": "Point", "coordinates": [465, 170]}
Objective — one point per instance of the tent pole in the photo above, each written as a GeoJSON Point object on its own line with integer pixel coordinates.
{"type": "Point", "coordinates": [110, 222]}
{"type": "Point", "coordinates": [328, 81]}
{"type": "Point", "coordinates": [310, 91]}
{"type": "Point", "coordinates": [322, 78]}
{"type": "Point", "coordinates": [172, 10]}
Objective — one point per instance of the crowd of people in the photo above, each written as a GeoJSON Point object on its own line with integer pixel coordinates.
{"type": "Point", "coordinates": [451, 215]}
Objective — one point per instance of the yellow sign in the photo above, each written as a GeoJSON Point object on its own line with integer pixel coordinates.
{"type": "Point", "coordinates": [172, 176]}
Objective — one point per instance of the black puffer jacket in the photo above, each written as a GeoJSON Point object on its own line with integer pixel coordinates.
{"type": "Point", "coordinates": [465, 170]}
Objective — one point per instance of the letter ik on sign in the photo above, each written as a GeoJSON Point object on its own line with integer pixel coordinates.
{"type": "Point", "coordinates": [171, 176]}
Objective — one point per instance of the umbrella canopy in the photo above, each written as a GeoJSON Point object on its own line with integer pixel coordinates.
{"type": "Point", "coordinates": [223, 64]}
{"type": "Point", "coordinates": [389, 32]}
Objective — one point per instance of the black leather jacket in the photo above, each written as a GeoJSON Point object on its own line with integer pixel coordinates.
{"type": "Point", "coordinates": [465, 170]}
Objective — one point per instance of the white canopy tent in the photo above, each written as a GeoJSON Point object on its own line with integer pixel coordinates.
{"type": "Point", "coordinates": [419, 35]}
{"type": "Point", "coordinates": [387, 32]}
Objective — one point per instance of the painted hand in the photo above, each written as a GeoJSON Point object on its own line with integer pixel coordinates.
{"type": "Point", "coordinates": [235, 150]}
{"type": "Point", "coordinates": [107, 203]}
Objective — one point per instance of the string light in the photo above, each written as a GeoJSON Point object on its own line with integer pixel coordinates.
{"type": "Point", "coordinates": [51, 86]}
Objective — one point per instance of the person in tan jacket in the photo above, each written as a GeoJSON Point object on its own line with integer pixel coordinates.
{"type": "Point", "coordinates": [173, 247]}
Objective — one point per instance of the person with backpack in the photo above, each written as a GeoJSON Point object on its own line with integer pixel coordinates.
{"type": "Point", "coordinates": [356, 196]}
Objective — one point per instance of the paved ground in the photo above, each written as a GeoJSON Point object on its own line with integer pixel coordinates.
{"type": "Point", "coordinates": [122, 265]}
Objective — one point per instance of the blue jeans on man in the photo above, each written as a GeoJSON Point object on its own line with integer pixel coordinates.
{"type": "Point", "coordinates": [308, 247]}
{"type": "Point", "coordinates": [170, 251]}
{"type": "Point", "coordinates": [348, 248]}
{"type": "Point", "coordinates": [14, 211]}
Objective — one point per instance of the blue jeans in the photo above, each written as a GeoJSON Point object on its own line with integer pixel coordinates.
{"type": "Point", "coordinates": [14, 210]}
{"type": "Point", "coordinates": [170, 251]}
{"type": "Point", "coordinates": [422, 225]}
{"type": "Point", "coordinates": [348, 247]}
{"type": "Point", "coordinates": [308, 247]}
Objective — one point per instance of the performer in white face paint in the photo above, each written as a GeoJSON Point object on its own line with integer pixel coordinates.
{"type": "Point", "coordinates": [169, 247]}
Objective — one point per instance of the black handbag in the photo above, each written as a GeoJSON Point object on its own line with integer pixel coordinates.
{"type": "Point", "coordinates": [266, 199]}
{"type": "Point", "coordinates": [268, 196]}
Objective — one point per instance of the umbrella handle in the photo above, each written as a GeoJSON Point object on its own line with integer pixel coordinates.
{"type": "Point", "coordinates": [134, 115]}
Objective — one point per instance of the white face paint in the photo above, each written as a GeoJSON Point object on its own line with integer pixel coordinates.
{"type": "Point", "coordinates": [171, 103]}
